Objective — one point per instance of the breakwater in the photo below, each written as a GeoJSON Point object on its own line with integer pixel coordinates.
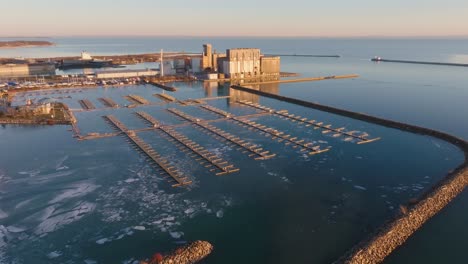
{"type": "Point", "coordinates": [422, 62]}
{"type": "Point", "coordinates": [395, 232]}
{"type": "Point", "coordinates": [310, 79]}
{"type": "Point", "coordinates": [305, 55]}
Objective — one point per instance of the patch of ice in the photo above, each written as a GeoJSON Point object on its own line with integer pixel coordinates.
{"type": "Point", "coordinates": [54, 254]}
{"type": "Point", "coordinates": [220, 213]}
{"type": "Point", "coordinates": [140, 228]}
{"type": "Point", "coordinates": [189, 211]}
{"type": "Point", "coordinates": [3, 214]}
{"type": "Point", "coordinates": [60, 162]}
{"type": "Point", "coordinates": [176, 235]}
{"type": "Point", "coordinates": [15, 229]}
{"type": "Point", "coordinates": [102, 241]}
{"type": "Point", "coordinates": [75, 190]}
{"type": "Point", "coordinates": [130, 180]}
{"type": "Point", "coordinates": [359, 187]}
{"type": "Point", "coordinates": [31, 173]}
{"type": "Point", "coordinates": [90, 261]}
{"type": "Point", "coordinates": [64, 217]}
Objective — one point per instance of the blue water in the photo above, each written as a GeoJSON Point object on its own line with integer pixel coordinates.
{"type": "Point", "coordinates": [64, 201]}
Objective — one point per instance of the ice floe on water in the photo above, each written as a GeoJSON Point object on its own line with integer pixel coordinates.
{"type": "Point", "coordinates": [359, 187]}
{"type": "Point", "coordinates": [139, 228]}
{"type": "Point", "coordinates": [56, 218]}
{"type": "Point", "coordinates": [176, 235]}
{"type": "Point", "coordinates": [74, 190]}
{"type": "Point", "coordinates": [102, 241]}
{"type": "Point", "coordinates": [30, 173]}
{"type": "Point", "coordinates": [220, 213]}
{"type": "Point", "coordinates": [59, 165]}
{"type": "Point", "coordinates": [3, 214]}
{"type": "Point", "coordinates": [54, 254]}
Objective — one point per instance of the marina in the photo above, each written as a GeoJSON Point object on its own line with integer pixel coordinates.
{"type": "Point", "coordinates": [162, 163]}
{"type": "Point", "coordinates": [260, 137]}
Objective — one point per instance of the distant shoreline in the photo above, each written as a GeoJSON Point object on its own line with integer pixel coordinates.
{"type": "Point", "coordinates": [24, 44]}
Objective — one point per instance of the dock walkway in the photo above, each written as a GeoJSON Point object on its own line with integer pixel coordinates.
{"type": "Point", "coordinates": [362, 138]}
{"type": "Point", "coordinates": [86, 104]}
{"type": "Point", "coordinates": [108, 102]}
{"type": "Point", "coordinates": [150, 152]}
{"type": "Point", "coordinates": [133, 98]}
{"type": "Point", "coordinates": [254, 150]}
{"type": "Point", "coordinates": [221, 166]}
{"type": "Point", "coordinates": [268, 131]}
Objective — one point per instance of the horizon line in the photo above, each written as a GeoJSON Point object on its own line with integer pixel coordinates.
{"type": "Point", "coordinates": [240, 36]}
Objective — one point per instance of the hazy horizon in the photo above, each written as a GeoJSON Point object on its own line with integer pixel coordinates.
{"type": "Point", "coordinates": [295, 18]}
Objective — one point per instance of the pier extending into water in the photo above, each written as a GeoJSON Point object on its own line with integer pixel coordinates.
{"type": "Point", "coordinates": [219, 165]}
{"type": "Point", "coordinates": [108, 102]}
{"type": "Point", "coordinates": [394, 233]}
{"type": "Point", "coordinates": [309, 79]}
{"type": "Point", "coordinates": [268, 131]}
{"type": "Point", "coordinates": [254, 150]}
{"type": "Point", "coordinates": [422, 62]}
{"type": "Point", "coordinates": [132, 98]}
{"type": "Point", "coordinates": [362, 138]}
{"type": "Point", "coordinates": [163, 164]}
{"type": "Point", "coordinates": [86, 104]}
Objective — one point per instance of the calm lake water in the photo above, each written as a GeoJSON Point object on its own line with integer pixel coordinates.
{"type": "Point", "coordinates": [98, 201]}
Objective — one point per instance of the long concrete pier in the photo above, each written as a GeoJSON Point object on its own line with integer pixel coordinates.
{"type": "Point", "coordinates": [422, 62]}
{"type": "Point", "coordinates": [275, 134]}
{"type": "Point", "coordinates": [389, 237]}
{"type": "Point", "coordinates": [310, 79]}
{"type": "Point", "coordinates": [221, 166]}
{"type": "Point", "coordinates": [304, 55]}
{"type": "Point", "coordinates": [150, 152]}
{"type": "Point", "coordinates": [254, 150]}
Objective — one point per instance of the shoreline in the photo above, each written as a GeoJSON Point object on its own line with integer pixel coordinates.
{"type": "Point", "coordinates": [393, 233]}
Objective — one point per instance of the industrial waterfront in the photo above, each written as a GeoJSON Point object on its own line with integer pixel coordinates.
{"type": "Point", "coordinates": [288, 201]}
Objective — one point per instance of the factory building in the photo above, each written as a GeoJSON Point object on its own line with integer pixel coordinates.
{"type": "Point", "coordinates": [27, 69]}
{"type": "Point", "coordinates": [125, 73]}
{"type": "Point", "coordinates": [239, 63]}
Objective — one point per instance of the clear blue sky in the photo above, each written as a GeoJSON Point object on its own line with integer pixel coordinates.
{"type": "Point", "coordinates": [234, 18]}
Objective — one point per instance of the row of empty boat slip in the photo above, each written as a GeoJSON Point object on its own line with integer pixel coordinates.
{"type": "Point", "coordinates": [212, 162]}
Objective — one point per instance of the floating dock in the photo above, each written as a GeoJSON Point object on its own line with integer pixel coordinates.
{"type": "Point", "coordinates": [362, 137]}
{"type": "Point", "coordinates": [162, 86]}
{"type": "Point", "coordinates": [165, 97]}
{"type": "Point", "coordinates": [247, 147]}
{"type": "Point", "coordinates": [219, 165]}
{"type": "Point", "coordinates": [163, 164]}
{"type": "Point", "coordinates": [268, 131]}
{"type": "Point", "coordinates": [108, 102]}
{"type": "Point", "coordinates": [86, 104]}
{"type": "Point", "coordinates": [136, 99]}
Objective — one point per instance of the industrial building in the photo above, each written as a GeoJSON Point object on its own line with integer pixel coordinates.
{"type": "Point", "coordinates": [26, 69]}
{"type": "Point", "coordinates": [115, 74]}
{"type": "Point", "coordinates": [239, 63]}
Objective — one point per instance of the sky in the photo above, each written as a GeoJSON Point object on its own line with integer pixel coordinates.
{"type": "Point", "coordinates": [289, 18]}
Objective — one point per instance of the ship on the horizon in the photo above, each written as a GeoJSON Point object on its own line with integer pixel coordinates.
{"type": "Point", "coordinates": [86, 61]}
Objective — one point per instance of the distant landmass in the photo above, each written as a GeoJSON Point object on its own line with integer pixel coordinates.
{"type": "Point", "coordinates": [24, 44]}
